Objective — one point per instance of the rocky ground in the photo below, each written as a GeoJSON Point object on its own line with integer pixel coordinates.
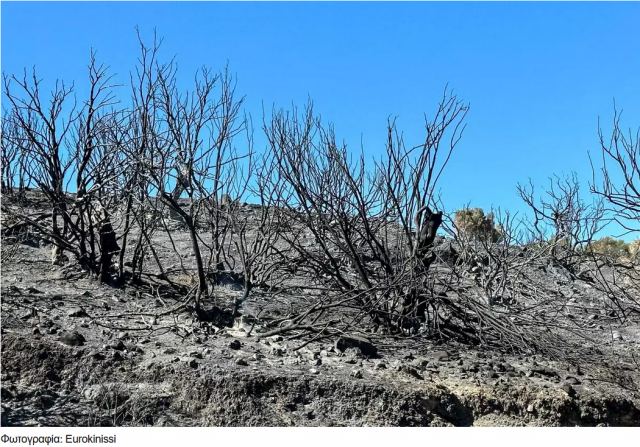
{"type": "Point", "coordinates": [75, 352]}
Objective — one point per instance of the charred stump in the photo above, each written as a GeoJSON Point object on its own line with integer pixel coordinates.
{"type": "Point", "coordinates": [108, 249]}
{"type": "Point", "coordinates": [414, 304]}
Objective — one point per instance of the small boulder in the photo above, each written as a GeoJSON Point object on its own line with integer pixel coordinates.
{"type": "Point", "coordinates": [616, 335]}
{"type": "Point", "coordinates": [118, 345]}
{"type": "Point", "coordinates": [410, 371]}
{"type": "Point", "coordinates": [381, 365]}
{"type": "Point", "coordinates": [440, 356]}
{"type": "Point", "coordinates": [77, 312]}
{"type": "Point", "coordinates": [367, 348]}
{"type": "Point", "coordinates": [545, 371]}
{"type": "Point", "coordinates": [235, 344]}
{"type": "Point", "coordinates": [572, 380]}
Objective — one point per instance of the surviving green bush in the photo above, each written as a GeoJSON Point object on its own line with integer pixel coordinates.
{"type": "Point", "coordinates": [610, 247]}
{"type": "Point", "coordinates": [475, 224]}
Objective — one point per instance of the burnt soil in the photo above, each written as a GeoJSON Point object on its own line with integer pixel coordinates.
{"type": "Point", "coordinates": [79, 353]}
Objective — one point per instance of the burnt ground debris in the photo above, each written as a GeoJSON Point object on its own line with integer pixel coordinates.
{"type": "Point", "coordinates": [78, 352]}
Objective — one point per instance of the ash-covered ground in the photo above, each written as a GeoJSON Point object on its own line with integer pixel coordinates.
{"type": "Point", "coordinates": [79, 353]}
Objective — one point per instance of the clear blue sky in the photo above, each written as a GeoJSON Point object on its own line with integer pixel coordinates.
{"type": "Point", "coordinates": [537, 75]}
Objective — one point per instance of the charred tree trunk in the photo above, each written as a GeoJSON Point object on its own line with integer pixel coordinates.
{"type": "Point", "coordinates": [108, 248]}
{"type": "Point", "coordinates": [415, 301]}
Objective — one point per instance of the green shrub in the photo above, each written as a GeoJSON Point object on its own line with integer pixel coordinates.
{"type": "Point", "coordinates": [610, 247]}
{"type": "Point", "coordinates": [475, 224]}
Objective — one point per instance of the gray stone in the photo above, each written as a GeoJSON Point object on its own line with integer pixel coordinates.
{"type": "Point", "coordinates": [123, 336]}
{"type": "Point", "coordinates": [77, 312]}
{"type": "Point", "coordinates": [410, 371]}
{"type": "Point", "coordinates": [544, 371]}
{"type": "Point", "coordinates": [381, 365]}
{"type": "Point", "coordinates": [616, 335]}
{"type": "Point", "coordinates": [572, 380]}
{"type": "Point", "coordinates": [440, 356]}
{"type": "Point", "coordinates": [367, 348]}
{"type": "Point", "coordinates": [420, 363]}
{"type": "Point", "coordinates": [118, 345]}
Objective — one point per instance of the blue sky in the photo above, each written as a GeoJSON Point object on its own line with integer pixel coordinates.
{"type": "Point", "coordinates": [537, 75]}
